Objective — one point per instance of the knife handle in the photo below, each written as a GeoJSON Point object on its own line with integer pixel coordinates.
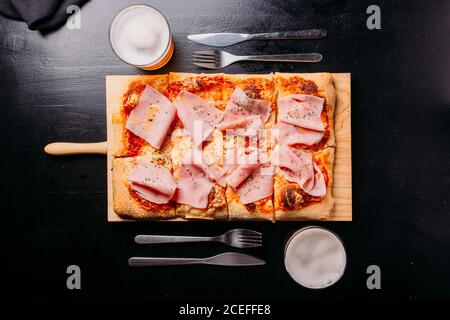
{"type": "Point", "coordinates": [150, 261]}
{"type": "Point", "coordinates": [66, 148]}
{"type": "Point", "coordinates": [296, 57]}
{"type": "Point", "coordinates": [149, 239]}
{"type": "Point", "coordinates": [299, 35]}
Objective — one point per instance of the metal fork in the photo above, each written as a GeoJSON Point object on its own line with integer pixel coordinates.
{"type": "Point", "coordinates": [216, 59]}
{"type": "Point", "coordinates": [239, 238]}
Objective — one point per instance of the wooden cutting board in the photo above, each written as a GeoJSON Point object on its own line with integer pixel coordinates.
{"type": "Point", "coordinates": [116, 86]}
{"type": "Point", "coordinates": [342, 179]}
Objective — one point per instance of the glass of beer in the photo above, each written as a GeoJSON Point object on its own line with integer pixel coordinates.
{"type": "Point", "coordinates": [140, 36]}
{"type": "Point", "coordinates": [315, 257]}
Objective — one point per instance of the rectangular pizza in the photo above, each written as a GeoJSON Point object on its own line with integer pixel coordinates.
{"type": "Point", "coordinates": [224, 147]}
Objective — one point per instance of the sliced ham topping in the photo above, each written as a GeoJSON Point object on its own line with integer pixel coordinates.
{"type": "Point", "coordinates": [248, 126]}
{"type": "Point", "coordinates": [289, 134]}
{"type": "Point", "coordinates": [152, 182]}
{"type": "Point", "coordinates": [212, 171]}
{"type": "Point", "coordinates": [257, 186]}
{"type": "Point", "coordinates": [251, 180]}
{"type": "Point", "coordinates": [152, 117]}
{"type": "Point", "coordinates": [292, 159]}
{"type": "Point", "coordinates": [316, 187]}
{"type": "Point", "coordinates": [239, 175]}
{"type": "Point", "coordinates": [246, 164]}
{"type": "Point", "coordinates": [236, 156]}
{"type": "Point", "coordinates": [299, 167]}
{"type": "Point", "coordinates": [193, 186]}
{"type": "Point", "coordinates": [241, 106]}
{"type": "Point", "coordinates": [195, 179]}
{"type": "Point", "coordinates": [302, 111]}
{"type": "Point", "coordinates": [197, 116]}
{"type": "Point", "coordinates": [216, 173]}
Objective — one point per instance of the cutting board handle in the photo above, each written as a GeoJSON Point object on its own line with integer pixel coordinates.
{"type": "Point", "coordinates": [67, 148]}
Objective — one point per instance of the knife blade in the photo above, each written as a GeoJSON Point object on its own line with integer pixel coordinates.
{"type": "Point", "coordinates": [227, 39]}
{"type": "Point", "coordinates": [234, 259]}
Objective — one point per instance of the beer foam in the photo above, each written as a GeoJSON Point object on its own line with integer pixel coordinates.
{"type": "Point", "coordinates": [315, 258]}
{"type": "Point", "coordinates": [140, 35]}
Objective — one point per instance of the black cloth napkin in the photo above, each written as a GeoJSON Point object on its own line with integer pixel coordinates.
{"type": "Point", "coordinates": [43, 15]}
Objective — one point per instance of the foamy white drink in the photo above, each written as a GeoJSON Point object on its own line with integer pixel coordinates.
{"type": "Point", "coordinates": [315, 257]}
{"type": "Point", "coordinates": [140, 36]}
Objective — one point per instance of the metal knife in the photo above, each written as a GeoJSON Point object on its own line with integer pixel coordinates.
{"type": "Point", "coordinates": [228, 39]}
{"type": "Point", "coordinates": [231, 259]}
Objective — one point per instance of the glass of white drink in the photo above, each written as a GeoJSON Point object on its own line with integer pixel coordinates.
{"type": "Point", "coordinates": [315, 257]}
{"type": "Point", "coordinates": [140, 36]}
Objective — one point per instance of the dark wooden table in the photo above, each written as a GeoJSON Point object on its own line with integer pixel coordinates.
{"type": "Point", "coordinates": [52, 88]}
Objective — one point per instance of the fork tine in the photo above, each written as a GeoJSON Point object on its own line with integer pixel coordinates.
{"type": "Point", "coordinates": [249, 232]}
{"type": "Point", "coordinates": [204, 60]}
{"type": "Point", "coordinates": [250, 238]}
{"type": "Point", "coordinates": [195, 59]}
{"type": "Point", "coordinates": [204, 56]}
{"type": "Point", "coordinates": [248, 245]}
{"type": "Point", "coordinates": [249, 235]}
{"type": "Point", "coordinates": [206, 65]}
{"type": "Point", "coordinates": [206, 52]}
{"type": "Point", "coordinates": [212, 56]}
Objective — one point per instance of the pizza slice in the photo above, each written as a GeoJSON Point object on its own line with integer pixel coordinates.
{"type": "Point", "coordinates": [201, 193]}
{"type": "Point", "coordinates": [252, 86]}
{"type": "Point", "coordinates": [143, 117]}
{"type": "Point", "coordinates": [302, 183]}
{"type": "Point", "coordinates": [143, 187]}
{"type": "Point", "coordinates": [305, 109]}
{"type": "Point", "coordinates": [250, 108]}
{"type": "Point", "coordinates": [198, 100]}
{"type": "Point", "coordinates": [250, 177]}
{"type": "Point", "coordinates": [206, 86]}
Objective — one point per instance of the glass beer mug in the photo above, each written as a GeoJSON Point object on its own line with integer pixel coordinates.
{"type": "Point", "coordinates": [140, 36]}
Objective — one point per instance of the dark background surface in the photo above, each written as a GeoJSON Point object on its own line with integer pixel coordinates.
{"type": "Point", "coordinates": [52, 88]}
